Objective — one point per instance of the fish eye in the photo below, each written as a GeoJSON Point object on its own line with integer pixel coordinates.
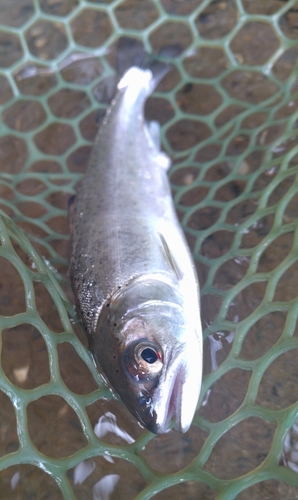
{"type": "Point", "coordinates": [143, 360]}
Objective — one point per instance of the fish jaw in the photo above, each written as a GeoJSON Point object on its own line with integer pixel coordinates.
{"type": "Point", "coordinates": [177, 393]}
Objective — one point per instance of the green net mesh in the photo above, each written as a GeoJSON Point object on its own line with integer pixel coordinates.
{"type": "Point", "coordinates": [229, 117]}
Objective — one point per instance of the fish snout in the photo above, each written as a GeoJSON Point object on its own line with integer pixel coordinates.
{"type": "Point", "coordinates": [177, 393]}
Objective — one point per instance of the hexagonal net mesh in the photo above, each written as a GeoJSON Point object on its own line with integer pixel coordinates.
{"type": "Point", "coordinates": [229, 117]}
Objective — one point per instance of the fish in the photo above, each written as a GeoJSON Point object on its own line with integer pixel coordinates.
{"type": "Point", "coordinates": [131, 270]}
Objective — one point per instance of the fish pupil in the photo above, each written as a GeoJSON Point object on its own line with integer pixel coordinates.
{"type": "Point", "coordinates": [149, 355]}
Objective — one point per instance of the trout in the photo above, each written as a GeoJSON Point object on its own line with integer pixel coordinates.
{"type": "Point", "coordinates": [132, 272]}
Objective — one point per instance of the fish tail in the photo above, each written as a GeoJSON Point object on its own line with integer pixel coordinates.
{"type": "Point", "coordinates": [130, 52]}
{"type": "Point", "coordinates": [136, 67]}
{"type": "Point", "coordinates": [138, 78]}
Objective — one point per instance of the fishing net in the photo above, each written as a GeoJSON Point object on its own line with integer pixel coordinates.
{"type": "Point", "coordinates": [229, 117]}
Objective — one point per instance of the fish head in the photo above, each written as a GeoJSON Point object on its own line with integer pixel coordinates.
{"type": "Point", "coordinates": [152, 356]}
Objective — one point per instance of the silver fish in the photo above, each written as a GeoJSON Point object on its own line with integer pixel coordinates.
{"type": "Point", "coordinates": [131, 269]}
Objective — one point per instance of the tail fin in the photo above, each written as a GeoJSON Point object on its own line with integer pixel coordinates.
{"type": "Point", "coordinates": [136, 77]}
{"type": "Point", "coordinates": [131, 54]}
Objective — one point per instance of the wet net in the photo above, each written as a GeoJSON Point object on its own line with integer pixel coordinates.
{"type": "Point", "coordinates": [229, 117]}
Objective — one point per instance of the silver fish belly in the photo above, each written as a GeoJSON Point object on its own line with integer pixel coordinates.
{"type": "Point", "coordinates": [131, 269]}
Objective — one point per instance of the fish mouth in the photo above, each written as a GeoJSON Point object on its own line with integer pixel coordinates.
{"type": "Point", "coordinates": [177, 394]}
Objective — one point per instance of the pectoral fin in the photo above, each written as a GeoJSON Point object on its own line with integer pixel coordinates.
{"type": "Point", "coordinates": [162, 158]}
{"type": "Point", "coordinates": [170, 258]}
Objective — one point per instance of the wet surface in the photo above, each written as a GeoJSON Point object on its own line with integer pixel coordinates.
{"type": "Point", "coordinates": [100, 475]}
{"type": "Point", "coordinates": [133, 15]}
{"type": "Point", "coordinates": [245, 44]}
{"type": "Point", "coordinates": [217, 19]}
{"type": "Point", "coordinates": [246, 444]}
{"type": "Point", "coordinates": [91, 28]}
{"type": "Point", "coordinates": [55, 139]}
{"type": "Point", "coordinates": [221, 143]}
{"type": "Point", "coordinates": [24, 356]}
{"type": "Point", "coordinates": [46, 40]}
{"type": "Point", "coordinates": [27, 481]}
